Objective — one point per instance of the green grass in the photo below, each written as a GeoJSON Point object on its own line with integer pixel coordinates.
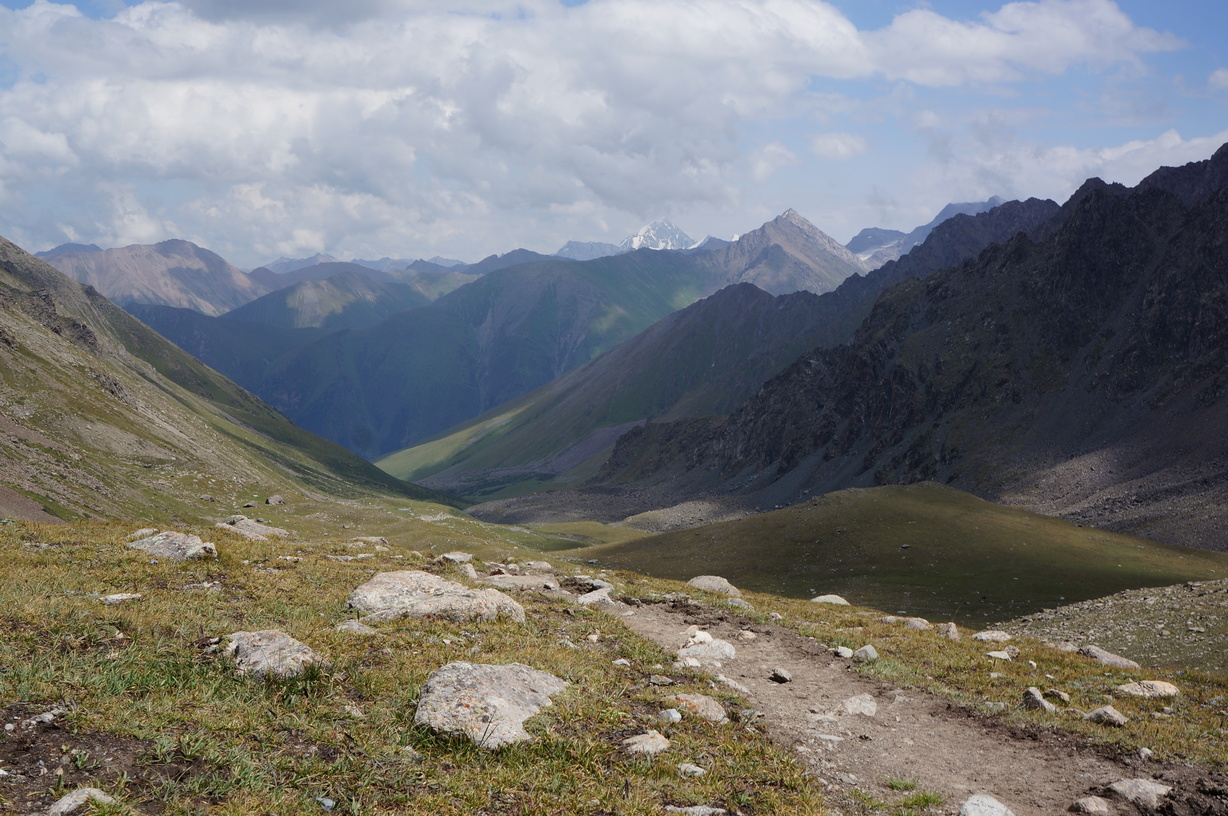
{"type": "Point", "coordinates": [243, 745]}
{"type": "Point", "coordinates": [922, 549]}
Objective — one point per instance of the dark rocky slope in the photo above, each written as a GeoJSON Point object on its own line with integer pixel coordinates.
{"type": "Point", "coordinates": [1081, 374]}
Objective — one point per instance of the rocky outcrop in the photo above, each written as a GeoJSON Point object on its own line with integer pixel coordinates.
{"type": "Point", "coordinates": [175, 546]}
{"type": "Point", "coordinates": [487, 704]}
{"type": "Point", "coordinates": [416, 594]}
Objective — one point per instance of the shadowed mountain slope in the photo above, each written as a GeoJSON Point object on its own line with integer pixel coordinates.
{"type": "Point", "coordinates": [347, 299]}
{"type": "Point", "coordinates": [104, 417]}
{"type": "Point", "coordinates": [1082, 374]}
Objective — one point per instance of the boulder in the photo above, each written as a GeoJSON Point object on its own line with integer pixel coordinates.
{"type": "Point", "coordinates": [862, 704]}
{"type": "Point", "coordinates": [416, 594]}
{"type": "Point", "coordinates": [1107, 715]}
{"type": "Point", "coordinates": [1091, 804]}
{"type": "Point", "coordinates": [456, 557]}
{"type": "Point", "coordinates": [982, 805]}
{"type": "Point", "coordinates": [842, 651]}
{"type": "Point", "coordinates": [866, 652]}
{"type": "Point", "coordinates": [1150, 688]}
{"type": "Point", "coordinates": [1033, 699]}
{"type": "Point", "coordinates": [714, 583]}
{"type": "Point", "coordinates": [175, 546]}
{"type": "Point", "coordinates": [250, 529]}
{"type": "Point", "coordinates": [652, 742]}
{"type": "Point", "coordinates": [1145, 793]}
{"type": "Point", "coordinates": [275, 500]}
{"type": "Point", "coordinates": [707, 649]}
{"type": "Point", "coordinates": [992, 636]}
{"type": "Point", "coordinates": [780, 675]}
{"type": "Point", "coordinates": [537, 582]}
{"type": "Point", "coordinates": [79, 801]}
{"type": "Point", "coordinates": [702, 706]}
{"type": "Point", "coordinates": [1108, 658]}
{"type": "Point", "coordinates": [269, 652]}
{"type": "Point", "coordinates": [486, 703]}
{"type": "Point", "coordinates": [949, 631]}
{"type": "Point", "coordinates": [830, 599]}
{"type": "Point", "coordinates": [356, 628]}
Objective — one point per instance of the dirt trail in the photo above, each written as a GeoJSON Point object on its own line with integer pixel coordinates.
{"type": "Point", "coordinates": [913, 735]}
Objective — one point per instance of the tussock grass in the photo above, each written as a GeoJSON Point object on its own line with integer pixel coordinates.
{"type": "Point", "coordinates": [147, 675]}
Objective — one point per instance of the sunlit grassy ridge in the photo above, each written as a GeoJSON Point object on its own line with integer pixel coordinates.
{"type": "Point", "coordinates": [922, 549]}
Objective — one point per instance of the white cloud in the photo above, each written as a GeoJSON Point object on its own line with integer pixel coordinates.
{"type": "Point", "coordinates": [838, 146]}
{"type": "Point", "coordinates": [391, 126]}
{"type": "Point", "coordinates": [1218, 81]}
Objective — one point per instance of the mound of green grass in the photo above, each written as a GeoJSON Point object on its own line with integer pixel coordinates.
{"type": "Point", "coordinates": [921, 549]}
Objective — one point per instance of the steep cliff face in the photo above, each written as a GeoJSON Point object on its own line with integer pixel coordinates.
{"type": "Point", "coordinates": [1101, 344]}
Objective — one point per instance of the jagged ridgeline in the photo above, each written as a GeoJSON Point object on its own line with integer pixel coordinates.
{"type": "Point", "coordinates": [102, 416]}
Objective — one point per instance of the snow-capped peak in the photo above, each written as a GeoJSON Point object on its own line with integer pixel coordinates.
{"type": "Point", "coordinates": [660, 234]}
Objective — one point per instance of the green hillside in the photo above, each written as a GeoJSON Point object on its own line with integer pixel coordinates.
{"type": "Point", "coordinates": [922, 549]}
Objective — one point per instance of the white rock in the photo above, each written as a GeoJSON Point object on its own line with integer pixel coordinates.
{"type": "Point", "coordinates": [949, 631]}
{"type": "Point", "coordinates": [696, 810]}
{"type": "Point", "coordinates": [686, 769]}
{"type": "Point", "coordinates": [270, 652]}
{"type": "Point", "coordinates": [1108, 658]}
{"type": "Point", "coordinates": [866, 652]}
{"type": "Point", "coordinates": [983, 805]}
{"type": "Point", "coordinates": [653, 742]}
{"type": "Point", "coordinates": [842, 651]}
{"type": "Point", "coordinates": [250, 529]}
{"type": "Point", "coordinates": [1035, 700]}
{"type": "Point", "coordinates": [1107, 715]}
{"type": "Point", "coordinates": [1091, 804]}
{"type": "Point", "coordinates": [999, 655]}
{"type": "Point", "coordinates": [1150, 688]}
{"type": "Point", "coordinates": [670, 715]}
{"type": "Point", "coordinates": [830, 599]}
{"type": "Point", "coordinates": [992, 636]}
{"type": "Point", "coordinates": [121, 597]}
{"type": "Point", "coordinates": [355, 627]}
{"type": "Point", "coordinates": [714, 583]}
{"type": "Point", "coordinates": [175, 546]}
{"type": "Point", "coordinates": [599, 597]}
{"type": "Point", "coordinates": [144, 532]}
{"type": "Point", "coordinates": [79, 802]}
{"type": "Point", "coordinates": [1144, 792]}
{"type": "Point", "coordinates": [469, 572]}
{"type": "Point", "coordinates": [702, 706]}
{"type": "Point", "coordinates": [862, 704]}
{"type": "Point", "coordinates": [713, 651]}
{"type": "Point", "coordinates": [488, 704]}
{"type": "Point", "coordinates": [456, 557]}
{"type": "Point", "coordinates": [416, 594]}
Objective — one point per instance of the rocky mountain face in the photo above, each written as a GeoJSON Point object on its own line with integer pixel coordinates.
{"type": "Point", "coordinates": [102, 416]}
{"type": "Point", "coordinates": [787, 254]}
{"type": "Point", "coordinates": [172, 273]}
{"type": "Point", "coordinates": [660, 234]}
{"type": "Point", "coordinates": [1080, 373]}
{"type": "Point", "coordinates": [587, 250]}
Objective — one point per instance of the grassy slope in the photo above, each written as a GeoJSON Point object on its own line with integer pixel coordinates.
{"type": "Point", "coordinates": [966, 559]}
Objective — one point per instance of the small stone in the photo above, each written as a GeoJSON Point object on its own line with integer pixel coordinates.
{"type": "Point", "coordinates": [696, 810]}
{"type": "Point", "coordinates": [622, 661]}
{"type": "Point", "coordinates": [275, 500]}
{"type": "Point", "coordinates": [686, 770]}
{"type": "Point", "coordinates": [739, 603]}
{"type": "Point", "coordinates": [842, 651]}
{"type": "Point", "coordinates": [733, 684]}
{"type": "Point", "coordinates": [1150, 688]}
{"type": "Point", "coordinates": [1108, 658]}
{"type": "Point", "coordinates": [1107, 715]}
{"type": "Point", "coordinates": [830, 599]}
{"type": "Point", "coordinates": [355, 627]}
{"type": "Point", "coordinates": [670, 715]}
{"type": "Point", "coordinates": [652, 742]}
{"type": "Point", "coordinates": [780, 675]}
{"type": "Point", "coordinates": [714, 583]}
{"type": "Point", "coordinates": [469, 572]}
{"type": "Point", "coordinates": [144, 532]}
{"type": "Point", "coordinates": [982, 805]}
{"type": "Point", "coordinates": [712, 650]}
{"type": "Point", "coordinates": [702, 706]}
{"type": "Point", "coordinates": [866, 652]}
{"type": "Point", "coordinates": [416, 594]}
{"type": "Point", "coordinates": [1060, 696]}
{"type": "Point", "coordinates": [249, 529]}
{"type": "Point", "coordinates": [746, 634]}
{"type": "Point", "coordinates": [1145, 754]}
{"type": "Point", "coordinates": [1013, 651]}
{"type": "Point", "coordinates": [456, 557]}
{"type": "Point", "coordinates": [660, 680]}
{"type": "Point", "coordinates": [999, 655]}
{"type": "Point", "coordinates": [1146, 793]}
{"type": "Point", "coordinates": [992, 636]}
{"type": "Point", "coordinates": [270, 652]}
{"type": "Point", "coordinates": [1034, 700]}
{"type": "Point", "coordinates": [79, 802]}
{"type": "Point", "coordinates": [949, 631]}
{"type": "Point", "coordinates": [862, 704]}
{"type": "Point", "coordinates": [120, 597]}
{"type": "Point", "coordinates": [1091, 804]}
{"type": "Point", "coordinates": [598, 597]}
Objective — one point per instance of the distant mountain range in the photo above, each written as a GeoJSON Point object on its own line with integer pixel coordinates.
{"type": "Point", "coordinates": [876, 246]}
{"type": "Point", "coordinates": [1078, 369]}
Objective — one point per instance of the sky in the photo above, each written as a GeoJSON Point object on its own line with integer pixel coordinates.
{"type": "Point", "coordinates": [416, 128]}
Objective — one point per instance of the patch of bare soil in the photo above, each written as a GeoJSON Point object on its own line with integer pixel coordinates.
{"type": "Point", "coordinates": [913, 737]}
{"type": "Point", "coordinates": [42, 759]}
